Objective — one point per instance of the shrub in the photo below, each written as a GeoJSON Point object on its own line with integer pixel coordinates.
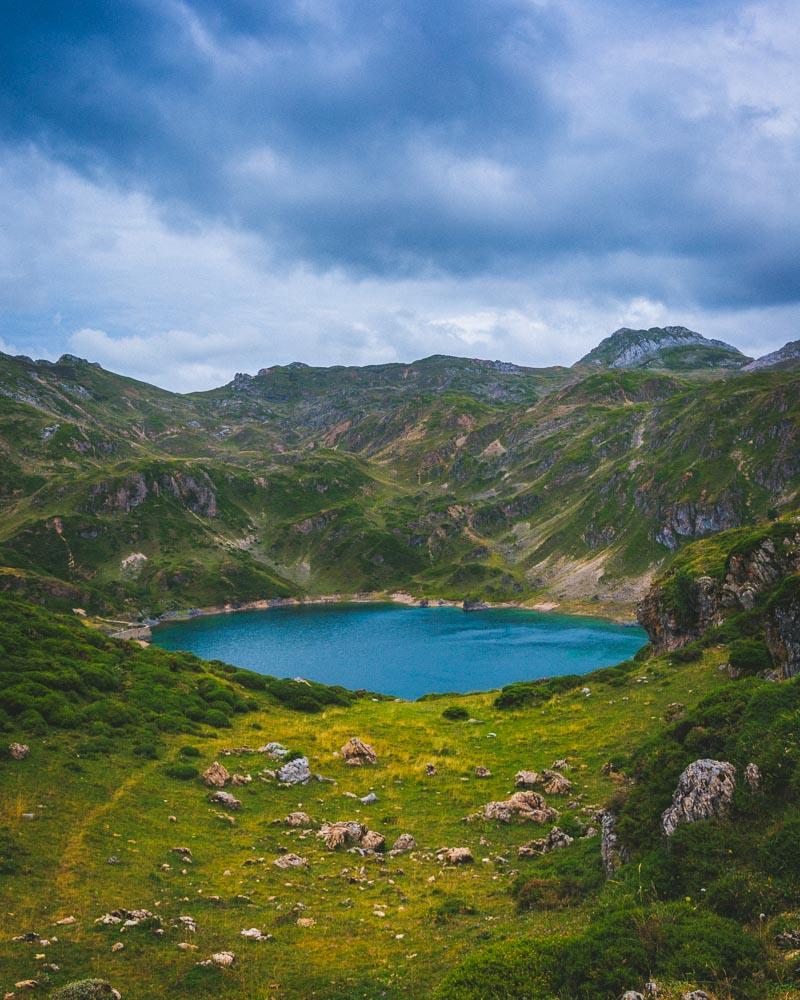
{"type": "Point", "coordinates": [742, 896]}
{"type": "Point", "coordinates": [183, 772]}
{"type": "Point", "coordinates": [455, 713]}
{"type": "Point", "coordinates": [85, 989]}
{"type": "Point", "coordinates": [749, 656]}
{"type": "Point", "coordinates": [189, 751]}
{"type": "Point", "coordinates": [451, 908]}
{"type": "Point", "coordinates": [780, 852]}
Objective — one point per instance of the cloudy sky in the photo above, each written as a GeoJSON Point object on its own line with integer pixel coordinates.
{"type": "Point", "coordinates": [191, 188]}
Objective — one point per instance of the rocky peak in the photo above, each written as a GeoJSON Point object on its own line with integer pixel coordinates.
{"type": "Point", "coordinates": [627, 348]}
{"type": "Point", "coordinates": [785, 355]}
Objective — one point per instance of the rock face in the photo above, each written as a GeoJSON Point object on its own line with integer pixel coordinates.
{"type": "Point", "coordinates": [527, 805]}
{"type": "Point", "coordinates": [705, 601]}
{"type": "Point", "coordinates": [704, 791]}
{"type": "Point", "coordinates": [295, 772]}
{"type": "Point", "coordinates": [782, 632]}
{"type": "Point", "coordinates": [357, 753]}
{"type": "Point", "coordinates": [18, 751]}
{"type": "Point", "coordinates": [216, 776]}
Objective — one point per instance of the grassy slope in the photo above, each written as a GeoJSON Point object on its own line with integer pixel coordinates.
{"type": "Point", "coordinates": [93, 800]}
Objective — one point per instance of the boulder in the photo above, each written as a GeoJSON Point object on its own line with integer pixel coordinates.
{"type": "Point", "coordinates": [357, 753]}
{"type": "Point", "coordinates": [18, 751]}
{"type": "Point", "coordinates": [527, 805]}
{"type": "Point", "coordinates": [632, 995]}
{"type": "Point", "coordinates": [554, 840]}
{"type": "Point", "coordinates": [373, 841]}
{"type": "Point", "coordinates": [482, 772]}
{"type": "Point", "coordinates": [674, 711]}
{"type": "Point", "coordinates": [704, 791]}
{"type": "Point", "coordinates": [215, 776]}
{"type": "Point", "coordinates": [455, 856]}
{"type": "Point", "coordinates": [405, 842]}
{"type": "Point", "coordinates": [274, 750]}
{"type": "Point", "coordinates": [298, 819]}
{"type": "Point", "coordinates": [87, 989]}
{"type": "Point", "coordinates": [344, 834]}
{"type": "Point", "coordinates": [295, 772]}
{"type": "Point", "coordinates": [224, 959]}
{"type": "Point", "coordinates": [254, 934]}
{"type": "Point", "coordinates": [369, 799]}
{"type": "Point", "coordinates": [555, 783]}
{"type": "Point", "coordinates": [561, 765]}
{"type": "Point", "coordinates": [286, 861]}
{"type": "Point", "coordinates": [225, 799]}
{"type": "Point", "coordinates": [695, 995]}
{"type": "Point", "coordinates": [526, 779]}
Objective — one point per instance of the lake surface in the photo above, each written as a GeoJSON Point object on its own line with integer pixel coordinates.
{"type": "Point", "coordinates": [404, 651]}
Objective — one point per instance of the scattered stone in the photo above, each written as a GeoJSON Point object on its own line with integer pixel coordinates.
{"type": "Point", "coordinates": [113, 860]}
{"type": "Point", "coordinates": [26, 984]}
{"type": "Point", "coordinates": [405, 842]}
{"type": "Point", "coordinates": [372, 841]}
{"type": "Point", "coordinates": [187, 946]}
{"type": "Point", "coordinates": [117, 946]}
{"type": "Point", "coordinates": [528, 806]}
{"type": "Point", "coordinates": [129, 918]}
{"type": "Point", "coordinates": [430, 770]}
{"type": "Point", "coordinates": [695, 995]}
{"type": "Point", "coordinates": [184, 852]}
{"type": "Point", "coordinates": [752, 775]}
{"type": "Point", "coordinates": [298, 819]}
{"type": "Point", "coordinates": [87, 989]}
{"type": "Point", "coordinates": [215, 776]}
{"type": "Point", "coordinates": [188, 924]}
{"type": "Point", "coordinates": [357, 753]}
{"type": "Point", "coordinates": [632, 995]}
{"type": "Point", "coordinates": [305, 921]}
{"type": "Point", "coordinates": [482, 772]}
{"type": "Point", "coordinates": [651, 989]}
{"type": "Point", "coordinates": [554, 840]}
{"type": "Point", "coordinates": [66, 921]}
{"type": "Point", "coordinates": [241, 779]}
{"type": "Point", "coordinates": [172, 819]}
{"type": "Point", "coordinates": [585, 692]}
{"type": "Point", "coordinates": [224, 959]}
{"type": "Point", "coordinates": [561, 765]}
{"type": "Point", "coordinates": [346, 833]}
{"type": "Point", "coordinates": [788, 939]}
{"type": "Point", "coordinates": [254, 934]}
{"type": "Point", "coordinates": [290, 861]}
{"type": "Point", "coordinates": [18, 751]}
{"type": "Point", "coordinates": [526, 779]}
{"type": "Point", "coordinates": [555, 783]}
{"type": "Point", "coordinates": [455, 856]}
{"type": "Point", "coordinates": [704, 791]}
{"type": "Point", "coordinates": [226, 799]}
{"type": "Point", "coordinates": [273, 750]}
{"type": "Point", "coordinates": [369, 799]}
{"type": "Point", "coordinates": [674, 711]}
{"type": "Point", "coordinates": [295, 772]}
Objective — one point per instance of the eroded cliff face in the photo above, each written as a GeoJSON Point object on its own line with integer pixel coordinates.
{"type": "Point", "coordinates": [195, 492]}
{"type": "Point", "coordinates": [679, 608]}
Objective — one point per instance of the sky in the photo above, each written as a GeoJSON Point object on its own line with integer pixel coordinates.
{"type": "Point", "coordinates": [190, 188]}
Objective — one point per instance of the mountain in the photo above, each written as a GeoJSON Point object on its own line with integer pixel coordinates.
{"type": "Point", "coordinates": [449, 477]}
{"type": "Point", "coordinates": [673, 348]}
{"type": "Point", "coordinates": [789, 354]}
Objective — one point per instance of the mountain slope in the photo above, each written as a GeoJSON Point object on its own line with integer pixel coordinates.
{"type": "Point", "coordinates": [449, 477]}
{"type": "Point", "coordinates": [789, 354]}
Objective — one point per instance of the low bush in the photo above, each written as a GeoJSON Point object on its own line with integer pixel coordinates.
{"type": "Point", "coordinates": [183, 772]}
{"type": "Point", "coordinates": [455, 713]}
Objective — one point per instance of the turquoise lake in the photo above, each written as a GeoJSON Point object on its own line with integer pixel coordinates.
{"type": "Point", "coordinates": [404, 651]}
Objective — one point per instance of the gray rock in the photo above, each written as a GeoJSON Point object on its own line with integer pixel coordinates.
{"type": "Point", "coordinates": [695, 995]}
{"type": "Point", "coordinates": [611, 852]}
{"type": "Point", "coordinates": [554, 840]}
{"type": "Point", "coordinates": [287, 861]}
{"type": "Point", "coordinates": [704, 791]}
{"type": "Point", "coordinates": [405, 842]}
{"type": "Point", "coordinates": [295, 772]}
{"type": "Point", "coordinates": [368, 800]}
{"type": "Point", "coordinates": [18, 751]}
{"type": "Point", "coordinates": [356, 753]}
{"type": "Point", "coordinates": [225, 799]}
{"type": "Point", "coordinates": [752, 775]}
{"type": "Point", "coordinates": [455, 856]}
{"type": "Point", "coordinates": [632, 995]}
{"type": "Point", "coordinates": [216, 775]}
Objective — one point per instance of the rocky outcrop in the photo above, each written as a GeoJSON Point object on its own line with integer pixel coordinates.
{"type": "Point", "coordinates": [216, 775]}
{"type": "Point", "coordinates": [679, 608]}
{"type": "Point", "coordinates": [554, 840]}
{"type": "Point", "coordinates": [350, 833]}
{"type": "Point", "coordinates": [295, 772]}
{"type": "Point", "coordinates": [18, 751]}
{"type": "Point", "coordinates": [194, 491]}
{"type": "Point", "coordinates": [528, 806]}
{"type": "Point", "coordinates": [612, 853]}
{"type": "Point", "coordinates": [705, 790]}
{"type": "Point", "coordinates": [225, 799]}
{"type": "Point", "coordinates": [788, 354]}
